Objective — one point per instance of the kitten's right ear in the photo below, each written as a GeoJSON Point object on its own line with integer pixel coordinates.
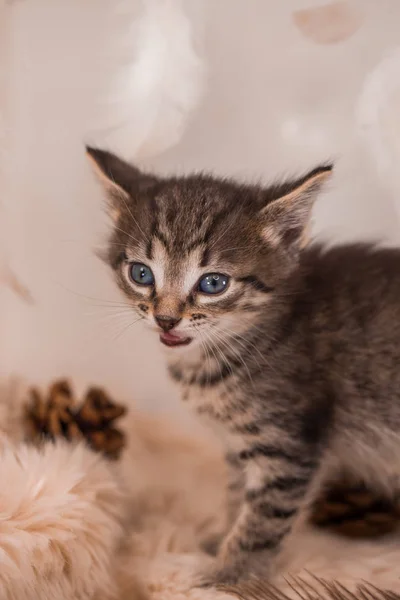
{"type": "Point", "coordinates": [118, 178]}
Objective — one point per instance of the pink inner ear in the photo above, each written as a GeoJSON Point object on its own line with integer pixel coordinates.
{"type": "Point", "coordinates": [335, 22]}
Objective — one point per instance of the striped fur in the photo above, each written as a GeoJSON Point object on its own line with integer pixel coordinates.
{"type": "Point", "coordinates": [296, 363]}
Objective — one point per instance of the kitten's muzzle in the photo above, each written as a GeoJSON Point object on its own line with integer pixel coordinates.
{"type": "Point", "coordinates": [166, 323]}
{"type": "Point", "coordinates": [168, 337]}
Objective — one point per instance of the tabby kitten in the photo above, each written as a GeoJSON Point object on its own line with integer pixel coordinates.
{"type": "Point", "coordinates": [294, 351]}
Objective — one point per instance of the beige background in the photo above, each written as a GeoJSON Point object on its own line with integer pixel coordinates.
{"type": "Point", "coordinates": [276, 102]}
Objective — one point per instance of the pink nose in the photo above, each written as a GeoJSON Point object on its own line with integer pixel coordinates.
{"type": "Point", "coordinates": [166, 323]}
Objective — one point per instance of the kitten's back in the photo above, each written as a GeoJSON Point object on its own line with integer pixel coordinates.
{"type": "Point", "coordinates": [357, 285]}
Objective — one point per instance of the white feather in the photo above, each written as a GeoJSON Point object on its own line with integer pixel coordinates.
{"type": "Point", "coordinates": [155, 94]}
{"type": "Point", "coordinates": [379, 121]}
{"type": "Point", "coordinates": [8, 276]}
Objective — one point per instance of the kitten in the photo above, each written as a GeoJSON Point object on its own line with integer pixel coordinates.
{"type": "Point", "coordinates": [293, 351]}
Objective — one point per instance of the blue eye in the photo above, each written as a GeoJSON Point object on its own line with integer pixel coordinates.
{"type": "Point", "coordinates": [141, 274]}
{"type": "Point", "coordinates": [213, 283]}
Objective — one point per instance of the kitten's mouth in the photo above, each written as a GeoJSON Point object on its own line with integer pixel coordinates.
{"type": "Point", "coordinates": [172, 339]}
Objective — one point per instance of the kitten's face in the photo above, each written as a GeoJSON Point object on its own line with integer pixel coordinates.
{"type": "Point", "coordinates": [197, 270]}
{"type": "Point", "coordinates": [200, 258]}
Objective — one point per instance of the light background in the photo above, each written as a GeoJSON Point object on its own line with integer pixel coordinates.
{"type": "Point", "coordinates": [276, 102]}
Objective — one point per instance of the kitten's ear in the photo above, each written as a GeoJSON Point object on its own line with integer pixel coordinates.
{"type": "Point", "coordinates": [119, 179]}
{"type": "Point", "coordinates": [287, 216]}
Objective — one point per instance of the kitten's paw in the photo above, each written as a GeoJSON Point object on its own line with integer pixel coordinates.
{"type": "Point", "coordinates": [237, 569]}
{"type": "Point", "coordinates": [230, 568]}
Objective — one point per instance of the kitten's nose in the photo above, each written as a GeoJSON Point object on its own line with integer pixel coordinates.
{"type": "Point", "coordinates": [166, 323]}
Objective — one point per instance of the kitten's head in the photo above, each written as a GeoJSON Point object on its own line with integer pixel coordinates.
{"type": "Point", "coordinates": [200, 258]}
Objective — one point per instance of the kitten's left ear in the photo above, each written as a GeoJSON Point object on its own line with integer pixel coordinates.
{"type": "Point", "coordinates": [286, 217]}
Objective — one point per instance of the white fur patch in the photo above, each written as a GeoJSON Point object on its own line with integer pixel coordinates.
{"type": "Point", "coordinates": [192, 272]}
{"type": "Point", "coordinates": [159, 264]}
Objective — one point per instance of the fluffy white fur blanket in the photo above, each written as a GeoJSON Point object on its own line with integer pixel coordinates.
{"type": "Point", "coordinates": [73, 525]}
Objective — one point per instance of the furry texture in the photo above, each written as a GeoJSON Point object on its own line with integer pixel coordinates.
{"type": "Point", "coordinates": [62, 509]}
{"type": "Point", "coordinates": [59, 523]}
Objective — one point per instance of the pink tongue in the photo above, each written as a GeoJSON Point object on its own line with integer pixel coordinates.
{"type": "Point", "coordinates": [170, 337]}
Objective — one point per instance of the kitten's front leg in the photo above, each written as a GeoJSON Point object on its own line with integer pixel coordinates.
{"type": "Point", "coordinates": [236, 491]}
{"type": "Point", "coordinates": [277, 484]}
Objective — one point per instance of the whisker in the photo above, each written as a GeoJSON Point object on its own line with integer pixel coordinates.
{"type": "Point", "coordinates": [253, 345]}
{"type": "Point", "coordinates": [108, 316]}
{"type": "Point", "coordinates": [207, 354]}
{"type": "Point", "coordinates": [244, 348]}
{"type": "Point", "coordinates": [128, 234]}
{"type": "Point", "coordinates": [110, 305]}
{"type": "Point", "coordinates": [212, 348]}
{"type": "Point", "coordinates": [223, 234]}
{"type": "Point", "coordinates": [243, 342]}
{"type": "Point", "coordinates": [270, 337]}
{"type": "Point", "coordinates": [230, 249]}
{"type": "Point", "coordinates": [99, 338]}
{"type": "Point", "coordinates": [125, 329]}
{"type": "Point", "coordinates": [224, 358]}
{"type": "Point", "coordinates": [236, 354]}
{"type": "Point", "coordinates": [84, 296]}
{"type": "Point", "coordinates": [117, 244]}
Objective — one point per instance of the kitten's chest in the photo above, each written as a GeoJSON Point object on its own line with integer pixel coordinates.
{"type": "Point", "coordinates": [217, 407]}
{"type": "Point", "coordinates": [220, 399]}
{"type": "Point", "coordinates": [205, 392]}
{"type": "Point", "coordinates": [215, 412]}
{"type": "Point", "coordinates": [213, 403]}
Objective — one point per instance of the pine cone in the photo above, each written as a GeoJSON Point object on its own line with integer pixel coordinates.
{"type": "Point", "coordinates": [58, 415]}
{"type": "Point", "coordinates": [355, 511]}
